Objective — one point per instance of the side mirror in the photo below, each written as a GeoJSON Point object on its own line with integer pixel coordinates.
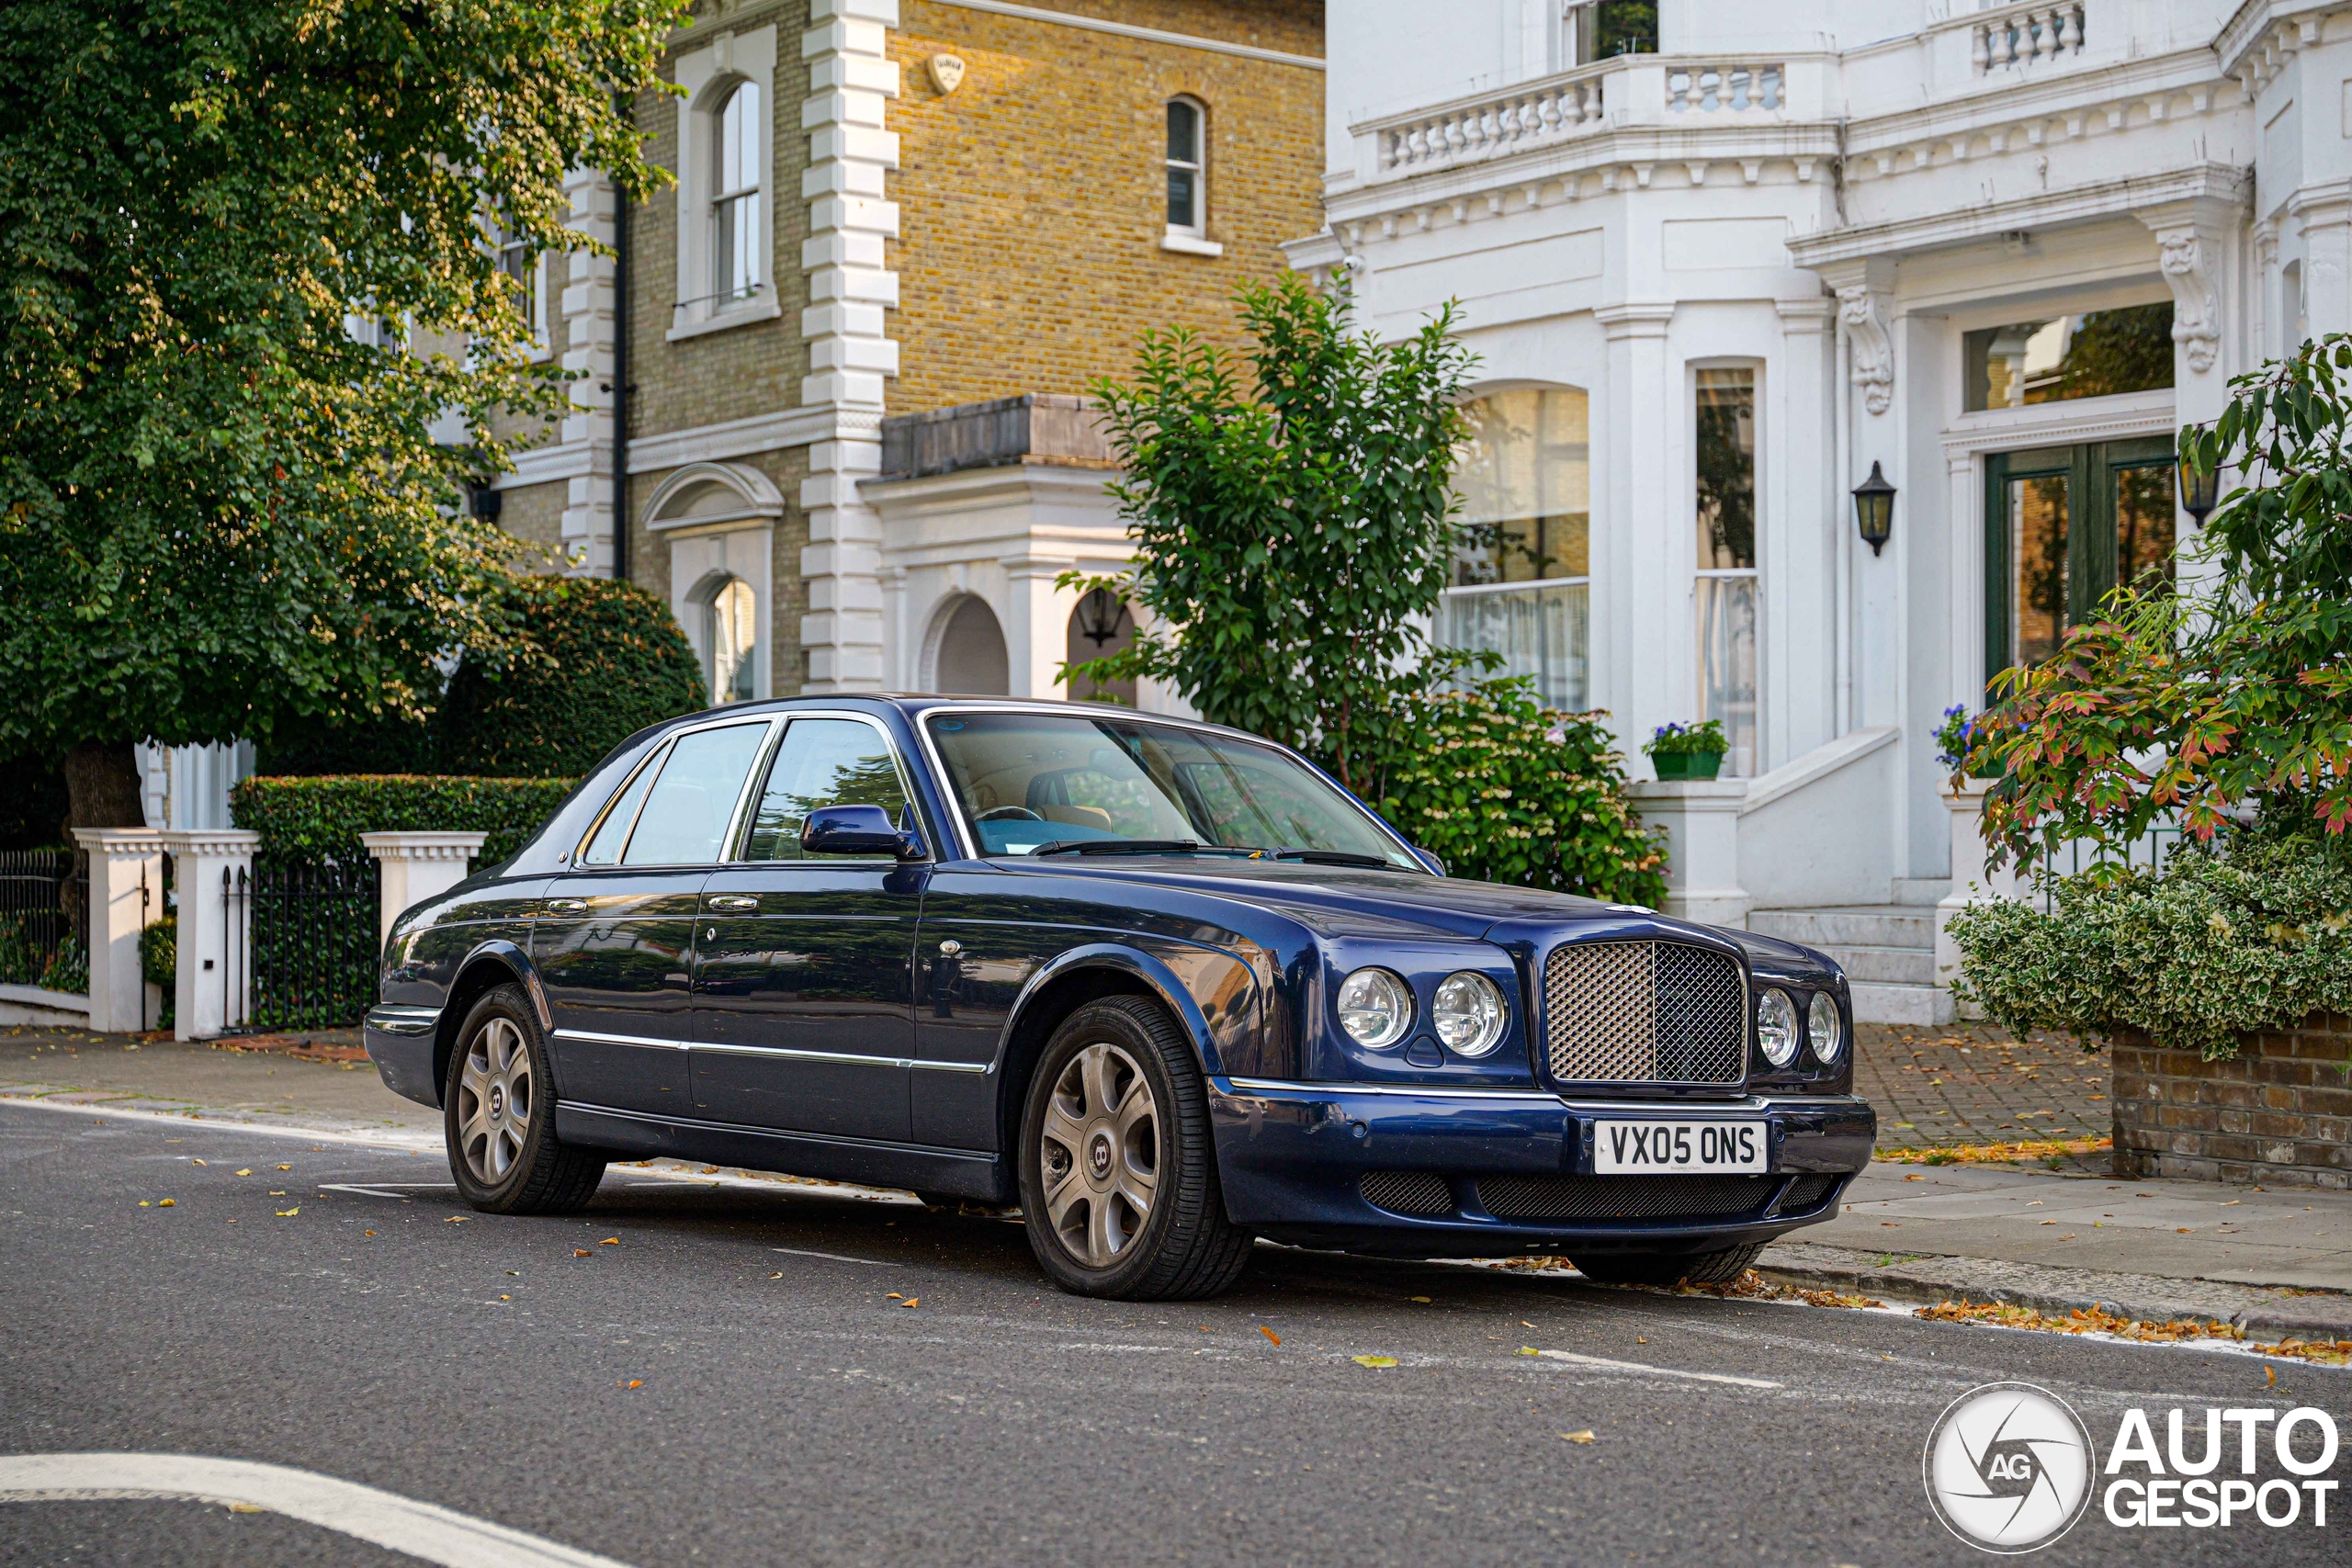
{"type": "Point", "coordinates": [1428, 859]}
{"type": "Point", "coordinates": [858, 831]}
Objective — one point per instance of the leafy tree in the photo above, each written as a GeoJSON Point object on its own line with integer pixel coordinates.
{"type": "Point", "coordinates": [243, 269]}
{"type": "Point", "coordinates": [1292, 520]}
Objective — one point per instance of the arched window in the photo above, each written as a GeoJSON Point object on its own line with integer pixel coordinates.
{"type": "Point", "coordinates": [735, 196]}
{"type": "Point", "coordinates": [1188, 192]}
{"type": "Point", "coordinates": [972, 660]}
{"type": "Point", "coordinates": [732, 632]}
{"type": "Point", "coordinates": [1522, 559]}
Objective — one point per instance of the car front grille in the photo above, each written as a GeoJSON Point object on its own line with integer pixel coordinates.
{"type": "Point", "coordinates": [1807, 1194]}
{"type": "Point", "coordinates": [1407, 1192]}
{"type": "Point", "coordinates": [1644, 1013]}
{"type": "Point", "coordinates": [1624, 1196]}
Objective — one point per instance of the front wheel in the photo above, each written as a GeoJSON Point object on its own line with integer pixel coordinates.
{"type": "Point", "coordinates": [1118, 1168]}
{"type": "Point", "coordinates": [1718, 1267]}
{"type": "Point", "coordinates": [498, 1113]}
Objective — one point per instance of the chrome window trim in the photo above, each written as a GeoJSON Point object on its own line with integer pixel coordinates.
{"type": "Point", "coordinates": [595, 1037]}
{"type": "Point", "coordinates": [749, 809]}
{"type": "Point", "coordinates": [848, 1059]}
{"type": "Point", "coordinates": [774, 725]}
{"type": "Point", "coordinates": [920, 722]}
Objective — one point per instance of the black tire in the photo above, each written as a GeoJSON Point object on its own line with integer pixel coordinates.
{"type": "Point", "coordinates": [1720, 1268]}
{"type": "Point", "coordinates": [496, 1171]}
{"type": "Point", "coordinates": [1184, 1247]}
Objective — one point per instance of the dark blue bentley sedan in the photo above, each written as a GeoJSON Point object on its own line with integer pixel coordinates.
{"type": "Point", "coordinates": [1163, 984]}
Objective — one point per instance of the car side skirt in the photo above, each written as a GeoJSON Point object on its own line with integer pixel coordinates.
{"type": "Point", "coordinates": [959, 1173]}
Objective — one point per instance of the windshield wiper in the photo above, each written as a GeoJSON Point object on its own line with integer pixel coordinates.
{"type": "Point", "coordinates": [1116, 846]}
{"type": "Point", "coordinates": [1338, 857]}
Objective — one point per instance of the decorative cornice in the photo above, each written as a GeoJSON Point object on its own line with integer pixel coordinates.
{"type": "Point", "coordinates": [2103, 199]}
{"type": "Point", "coordinates": [220, 842]}
{"type": "Point", "coordinates": [120, 841]}
{"type": "Point", "coordinates": [2060, 423]}
{"type": "Point", "coordinates": [424, 846]}
{"type": "Point", "coordinates": [1635, 318]}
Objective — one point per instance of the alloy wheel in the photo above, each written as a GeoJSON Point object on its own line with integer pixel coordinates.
{"type": "Point", "coordinates": [1100, 1154]}
{"type": "Point", "coordinates": [494, 1101]}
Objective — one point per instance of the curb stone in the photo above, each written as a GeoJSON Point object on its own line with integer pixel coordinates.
{"type": "Point", "coordinates": [1925, 1282]}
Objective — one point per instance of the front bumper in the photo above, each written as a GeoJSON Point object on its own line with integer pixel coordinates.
{"type": "Point", "coordinates": [1291, 1157]}
{"type": "Point", "coordinates": [400, 1040]}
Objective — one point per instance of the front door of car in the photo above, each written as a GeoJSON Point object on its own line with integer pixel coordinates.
{"type": "Point", "coordinates": [615, 949]}
{"type": "Point", "coordinates": [803, 996]}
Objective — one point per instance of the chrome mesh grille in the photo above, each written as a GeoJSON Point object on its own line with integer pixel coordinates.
{"type": "Point", "coordinates": [1806, 1193]}
{"type": "Point", "coordinates": [1623, 1197]}
{"type": "Point", "coordinates": [1407, 1192]}
{"type": "Point", "coordinates": [1644, 1013]}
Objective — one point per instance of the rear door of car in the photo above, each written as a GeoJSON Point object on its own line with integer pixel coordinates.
{"type": "Point", "coordinates": [615, 948]}
{"type": "Point", "coordinates": [803, 990]}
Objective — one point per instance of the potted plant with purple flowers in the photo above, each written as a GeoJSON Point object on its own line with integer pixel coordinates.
{"type": "Point", "coordinates": [1686, 750]}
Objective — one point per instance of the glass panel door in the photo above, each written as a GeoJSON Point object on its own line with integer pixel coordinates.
{"type": "Point", "coordinates": [2063, 527]}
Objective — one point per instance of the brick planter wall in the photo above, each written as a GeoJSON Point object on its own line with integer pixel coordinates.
{"type": "Point", "coordinates": [2279, 1112]}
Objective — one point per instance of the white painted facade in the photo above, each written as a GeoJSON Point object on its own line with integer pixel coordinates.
{"type": "Point", "coordinates": [1833, 195]}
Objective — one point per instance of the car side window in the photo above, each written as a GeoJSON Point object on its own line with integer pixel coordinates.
{"type": "Point", "coordinates": [605, 849]}
{"type": "Point", "coordinates": [823, 761]}
{"type": "Point", "coordinates": [687, 813]}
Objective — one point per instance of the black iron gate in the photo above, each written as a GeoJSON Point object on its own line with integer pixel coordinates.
{"type": "Point", "coordinates": [45, 918]}
{"type": "Point", "coordinates": [314, 952]}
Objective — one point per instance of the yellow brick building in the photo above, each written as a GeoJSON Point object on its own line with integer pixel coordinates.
{"type": "Point", "coordinates": [826, 402]}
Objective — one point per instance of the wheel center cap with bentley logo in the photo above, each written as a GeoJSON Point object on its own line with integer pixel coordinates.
{"type": "Point", "coordinates": [1098, 1155]}
{"type": "Point", "coordinates": [497, 1100]}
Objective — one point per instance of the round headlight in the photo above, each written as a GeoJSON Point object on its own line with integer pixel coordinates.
{"type": "Point", "coordinates": [1776, 1027]}
{"type": "Point", "coordinates": [1375, 1009]}
{"type": "Point", "coordinates": [1468, 1014]}
{"type": "Point", "coordinates": [1821, 1023]}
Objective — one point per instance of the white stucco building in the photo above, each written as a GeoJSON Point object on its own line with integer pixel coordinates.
{"type": "Point", "coordinates": [1997, 255]}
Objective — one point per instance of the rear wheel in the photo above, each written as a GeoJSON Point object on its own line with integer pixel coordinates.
{"type": "Point", "coordinates": [1719, 1267]}
{"type": "Point", "coordinates": [1118, 1168]}
{"type": "Point", "coordinates": [498, 1113]}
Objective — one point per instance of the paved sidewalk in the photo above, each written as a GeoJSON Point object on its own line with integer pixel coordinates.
{"type": "Point", "coordinates": [1975, 1084]}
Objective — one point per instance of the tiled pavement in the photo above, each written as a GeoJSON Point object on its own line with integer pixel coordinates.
{"type": "Point", "coordinates": [1971, 1083]}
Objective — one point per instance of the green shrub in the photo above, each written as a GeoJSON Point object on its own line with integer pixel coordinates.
{"type": "Point", "coordinates": [321, 819]}
{"type": "Point", "coordinates": [1503, 790]}
{"type": "Point", "coordinates": [596, 662]}
{"type": "Point", "coordinates": [158, 952]}
{"type": "Point", "coordinates": [2212, 947]}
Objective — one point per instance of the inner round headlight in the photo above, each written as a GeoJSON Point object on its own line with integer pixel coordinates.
{"type": "Point", "coordinates": [1776, 1027]}
{"type": "Point", "coordinates": [1468, 1014]}
{"type": "Point", "coordinates": [1375, 1009]}
{"type": "Point", "coordinates": [1821, 1023]}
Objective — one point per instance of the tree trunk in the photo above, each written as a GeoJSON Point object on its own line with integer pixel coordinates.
{"type": "Point", "coordinates": [102, 782]}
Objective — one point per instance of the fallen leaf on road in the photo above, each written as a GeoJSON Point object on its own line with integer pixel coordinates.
{"type": "Point", "coordinates": [2182, 1229]}
{"type": "Point", "coordinates": [1525, 1324]}
{"type": "Point", "coordinates": [610, 1241]}
{"type": "Point", "coordinates": [895, 1296]}
{"type": "Point", "coordinates": [1373, 1360]}
{"type": "Point", "coordinates": [195, 1162]}
{"type": "Point", "coordinates": [457, 1219]}
{"type": "Point", "coordinates": [634, 1383]}
{"type": "Point", "coordinates": [1915, 1177]}
{"type": "Point", "coordinates": [710, 1170]}
{"type": "Point", "coordinates": [2270, 1376]}
{"type": "Point", "coordinates": [366, 1232]}
{"type": "Point", "coordinates": [145, 1203]}
{"type": "Point", "coordinates": [247, 1508]}
{"type": "Point", "coordinates": [289, 1214]}
{"type": "Point", "coordinates": [2049, 1222]}
{"type": "Point", "coordinates": [1528, 1349]}
{"type": "Point", "coordinates": [776, 1276]}
{"type": "Point", "coordinates": [579, 1252]}
{"type": "Point", "coordinates": [246, 1172]}
{"type": "Point", "coordinates": [1422, 1299]}
{"type": "Point", "coordinates": [1584, 1436]}
{"type": "Point", "coordinates": [1270, 1334]}
{"type": "Point", "coordinates": [912, 1301]}
{"type": "Point", "coordinates": [284, 1168]}
{"type": "Point", "coordinates": [1639, 1339]}
{"type": "Point", "coordinates": [168, 1203]}
{"type": "Point", "coordinates": [277, 1191]}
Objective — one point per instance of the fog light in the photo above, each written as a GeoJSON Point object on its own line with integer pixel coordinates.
{"type": "Point", "coordinates": [1776, 1027]}
{"type": "Point", "coordinates": [1468, 1014]}
{"type": "Point", "coordinates": [1821, 1023]}
{"type": "Point", "coordinates": [1375, 1009]}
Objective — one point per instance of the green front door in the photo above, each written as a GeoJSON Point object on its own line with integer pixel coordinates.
{"type": "Point", "coordinates": [2063, 527]}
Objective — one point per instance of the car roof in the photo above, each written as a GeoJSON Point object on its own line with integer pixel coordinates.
{"type": "Point", "coordinates": [912, 704]}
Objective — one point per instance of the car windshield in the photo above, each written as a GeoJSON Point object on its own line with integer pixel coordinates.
{"type": "Point", "coordinates": [1049, 784]}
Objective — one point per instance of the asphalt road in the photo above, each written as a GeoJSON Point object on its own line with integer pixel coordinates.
{"type": "Point", "coordinates": [731, 1384]}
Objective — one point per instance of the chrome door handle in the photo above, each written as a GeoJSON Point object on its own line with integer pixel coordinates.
{"type": "Point", "coordinates": [567, 906]}
{"type": "Point", "coordinates": [736, 902]}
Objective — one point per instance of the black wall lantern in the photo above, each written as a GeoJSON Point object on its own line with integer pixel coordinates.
{"type": "Point", "coordinates": [1101, 615]}
{"type": "Point", "coordinates": [2199, 493]}
{"type": "Point", "coordinates": [1874, 508]}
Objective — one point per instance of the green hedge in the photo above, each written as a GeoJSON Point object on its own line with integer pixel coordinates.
{"type": "Point", "coordinates": [316, 818]}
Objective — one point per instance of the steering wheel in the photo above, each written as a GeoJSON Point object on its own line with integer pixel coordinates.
{"type": "Point", "coordinates": [1009, 814]}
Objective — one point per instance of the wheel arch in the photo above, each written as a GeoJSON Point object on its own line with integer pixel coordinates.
{"type": "Point", "coordinates": [493, 963]}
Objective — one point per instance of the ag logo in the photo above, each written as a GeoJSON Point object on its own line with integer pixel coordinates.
{"type": "Point", "coordinates": [2008, 1467]}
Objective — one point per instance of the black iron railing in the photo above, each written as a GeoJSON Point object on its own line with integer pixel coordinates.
{"type": "Point", "coordinates": [314, 945]}
{"type": "Point", "coordinates": [45, 918]}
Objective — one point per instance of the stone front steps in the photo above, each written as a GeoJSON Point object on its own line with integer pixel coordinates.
{"type": "Point", "coordinates": [1888, 951]}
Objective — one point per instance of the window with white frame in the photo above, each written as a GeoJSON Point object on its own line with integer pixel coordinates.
{"type": "Point", "coordinates": [525, 270]}
{"type": "Point", "coordinates": [733, 635]}
{"type": "Point", "coordinates": [1589, 30]}
{"type": "Point", "coordinates": [1726, 596]}
{"type": "Point", "coordinates": [1522, 573]}
{"type": "Point", "coordinates": [735, 196]}
{"type": "Point", "coordinates": [1188, 194]}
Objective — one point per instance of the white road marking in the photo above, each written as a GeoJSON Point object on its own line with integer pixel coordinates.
{"type": "Point", "coordinates": [404, 1143]}
{"type": "Point", "coordinates": [1659, 1371]}
{"type": "Point", "coordinates": [837, 1257]}
{"type": "Point", "coordinates": [387, 1520]}
{"type": "Point", "coordinates": [363, 1191]}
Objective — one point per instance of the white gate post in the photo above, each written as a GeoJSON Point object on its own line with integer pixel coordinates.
{"type": "Point", "coordinates": [124, 861]}
{"type": "Point", "coordinates": [1702, 821]}
{"type": "Point", "coordinates": [417, 866]}
{"type": "Point", "coordinates": [214, 988]}
{"type": "Point", "coordinates": [1971, 882]}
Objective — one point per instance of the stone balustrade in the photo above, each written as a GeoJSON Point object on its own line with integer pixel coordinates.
{"type": "Point", "coordinates": [1729, 88]}
{"type": "Point", "coordinates": [2025, 35]}
{"type": "Point", "coordinates": [1537, 115]}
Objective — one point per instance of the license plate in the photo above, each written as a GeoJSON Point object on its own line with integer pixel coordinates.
{"type": "Point", "coordinates": [1620, 1148]}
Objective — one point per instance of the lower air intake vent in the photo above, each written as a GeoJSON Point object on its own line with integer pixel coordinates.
{"type": "Point", "coordinates": [1624, 1196]}
{"type": "Point", "coordinates": [1407, 1192]}
{"type": "Point", "coordinates": [1807, 1194]}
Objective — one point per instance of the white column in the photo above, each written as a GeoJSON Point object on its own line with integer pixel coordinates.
{"type": "Point", "coordinates": [592, 331]}
{"type": "Point", "coordinates": [851, 355]}
{"type": "Point", "coordinates": [2323, 216]}
{"type": "Point", "coordinates": [126, 897]}
{"type": "Point", "coordinates": [413, 867]}
{"type": "Point", "coordinates": [1702, 822]}
{"type": "Point", "coordinates": [2194, 248]}
{"type": "Point", "coordinates": [1641, 603]}
{"type": "Point", "coordinates": [1799, 548]}
{"type": "Point", "coordinates": [1964, 597]}
{"type": "Point", "coordinates": [213, 871]}
{"type": "Point", "coordinates": [1036, 624]}
{"type": "Point", "coordinates": [1971, 882]}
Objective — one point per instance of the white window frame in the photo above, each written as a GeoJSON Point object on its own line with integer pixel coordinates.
{"type": "Point", "coordinates": [1189, 238]}
{"type": "Point", "coordinates": [708, 77]}
{"type": "Point", "coordinates": [533, 277]}
{"type": "Point", "coordinates": [1754, 574]}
